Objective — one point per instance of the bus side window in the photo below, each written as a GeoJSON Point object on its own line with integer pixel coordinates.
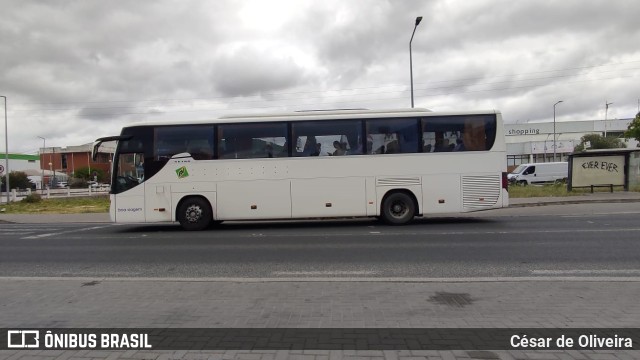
{"type": "Point", "coordinates": [474, 137]}
{"type": "Point", "coordinates": [200, 149]}
{"type": "Point", "coordinates": [393, 136]}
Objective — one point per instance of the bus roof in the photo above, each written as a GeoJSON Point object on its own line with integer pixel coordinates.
{"type": "Point", "coordinates": [315, 115]}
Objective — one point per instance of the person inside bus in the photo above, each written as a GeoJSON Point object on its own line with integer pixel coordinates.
{"type": "Point", "coordinates": [140, 168]}
{"type": "Point", "coordinates": [459, 145]}
{"type": "Point", "coordinates": [339, 148]}
{"type": "Point", "coordinates": [310, 146]}
{"type": "Point", "coordinates": [317, 151]}
{"type": "Point", "coordinates": [369, 144]}
{"type": "Point", "coordinates": [442, 144]}
{"type": "Point", "coordinates": [392, 147]}
{"type": "Point", "coordinates": [268, 149]}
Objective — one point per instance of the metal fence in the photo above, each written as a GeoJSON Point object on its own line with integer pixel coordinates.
{"type": "Point", "coordinates": [19, 194]}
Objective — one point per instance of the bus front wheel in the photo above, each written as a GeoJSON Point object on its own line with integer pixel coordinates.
{"type": "Point", "coordinates": [194, 213]}
{"type": "Point", "coordinates": [398, 208]}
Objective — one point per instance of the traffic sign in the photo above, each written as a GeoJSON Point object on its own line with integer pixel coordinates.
{"type": "Point", "coordinates": [1, 169]}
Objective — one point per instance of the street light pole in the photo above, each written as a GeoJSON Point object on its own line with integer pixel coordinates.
{"type": "Point", "coordinates": [554, 130]}
{"type": "Point", "coordinates": [418, 19]}
{"type": "Point", "coordinates": [606, 109]}
{"type": "Point", "coordinates": [6, 144]}
{"type": "Point", "coordinates": [44, 146]}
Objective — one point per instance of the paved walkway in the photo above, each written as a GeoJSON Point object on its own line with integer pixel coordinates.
{"type": "Point", "coordinates": [100, 303]}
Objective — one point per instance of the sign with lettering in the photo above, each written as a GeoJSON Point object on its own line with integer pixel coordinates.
{"type": "Point", "coordinates": [546, 147]}
{"type": "Point", "coordinates": [598, 170]}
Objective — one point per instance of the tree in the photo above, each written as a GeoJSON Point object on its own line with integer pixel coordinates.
{"type": "Point", "coordinates": [17, 180]}
{"type": "Point", "coordinates": [598, 141]}
{"type": "Point", "coordinates": [633, 131]}
{"type": "Point", "coordinates": [83, 173]}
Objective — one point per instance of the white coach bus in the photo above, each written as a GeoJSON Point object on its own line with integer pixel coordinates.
{"type": "Point", "coordinates": [393, 164]}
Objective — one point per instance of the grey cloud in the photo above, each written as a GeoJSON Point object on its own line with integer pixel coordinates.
{"type": "Point", "coordinates": [467, 54]}
{"type": "Point", "coordinates": [249, 71]}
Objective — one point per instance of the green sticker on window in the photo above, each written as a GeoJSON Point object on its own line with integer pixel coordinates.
{"type": "Point", "coordinates": [182, 172]}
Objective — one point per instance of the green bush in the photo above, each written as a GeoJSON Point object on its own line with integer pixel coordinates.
{"type": "Point", "coordinates": [32, 198]}
{"type": "Point", "coordinates": [78, 183]}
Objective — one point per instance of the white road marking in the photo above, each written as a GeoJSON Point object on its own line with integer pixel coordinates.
{"type": "Point", "coordinates": [323, 273]}
{"type": "Point", "coordinates": [40, 236]}
{"type": "Point", "coordinates": [587, 272]}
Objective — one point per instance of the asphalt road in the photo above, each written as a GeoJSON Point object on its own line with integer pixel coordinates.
{"type": "Point", "coordinates": [595, 240]}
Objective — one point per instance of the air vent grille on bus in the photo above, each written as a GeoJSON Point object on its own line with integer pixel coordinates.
{"type": "Point", "coordinates": [480, 192]}
{"type": "Point", "coordinates": [396, 181]}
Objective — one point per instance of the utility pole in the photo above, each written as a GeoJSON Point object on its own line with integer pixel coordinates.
{"type": "Point", "coordinates": [6, 144]}
{"type": "Point", "coordinates": [606, 109]}
{"type": "Point", "coordinates": [418, 19]}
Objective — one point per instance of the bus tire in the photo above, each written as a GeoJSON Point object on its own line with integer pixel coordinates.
{"type": "Point", "coordinates": [398, 208]}
{"type": "Point", "coordinates": [194, 213]}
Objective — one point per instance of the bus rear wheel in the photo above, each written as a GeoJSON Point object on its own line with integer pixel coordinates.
{"type": "Point", "coordinates": [398, 208]}
{"type": "Point", "coordinates": [194, 213]}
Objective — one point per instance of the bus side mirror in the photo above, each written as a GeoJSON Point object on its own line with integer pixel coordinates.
{"type": "Point", "coordinates": [98, 142]}
{"type": "Point", "coordinates": [94, 150]}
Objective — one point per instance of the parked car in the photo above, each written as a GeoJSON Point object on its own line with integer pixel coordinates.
{"type": "Point", "coordinates": [61, 184]}
{"type": "Point", "coordinates": [539, 173]}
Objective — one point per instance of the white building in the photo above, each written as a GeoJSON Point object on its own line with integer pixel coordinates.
{"type": "Point", "coordinates": [533, 141]}
{"type": "Point", "coordinates": [18, 162]}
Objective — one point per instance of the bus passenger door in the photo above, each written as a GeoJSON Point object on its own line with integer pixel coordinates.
{"type": "Point", "coordinates": [128, 207]}
{"type": "Point", "coordinates": [128, 203]}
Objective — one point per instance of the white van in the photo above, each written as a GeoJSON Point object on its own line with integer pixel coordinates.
{"type": "Point", "coordinates": [539, 173]}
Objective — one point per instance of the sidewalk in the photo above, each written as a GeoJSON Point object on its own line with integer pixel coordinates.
{"type": "Point", "coordinates": [140, 303]}
{"type": "Point", "coordinates": [600, 197]}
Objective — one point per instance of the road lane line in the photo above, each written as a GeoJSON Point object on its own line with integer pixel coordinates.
{"type": "Point", "coordinates": [325, 273]}
{"type": "Point", "coordinates": [40, 236]}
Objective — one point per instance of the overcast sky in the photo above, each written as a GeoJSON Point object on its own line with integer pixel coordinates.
{"type": "Point", "coordinates": [77, 70]}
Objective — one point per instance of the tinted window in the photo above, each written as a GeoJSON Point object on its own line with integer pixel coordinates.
{"type": "Point", "coordinates": [392, 136]}
{"type": "Point", "coordinates": [458, 133]}
{"type": "Point", "coordinates": [171, 140]}
{"type": "Point", "coordinates": [253, 140]}
{"type": "Point", "coordinates": [327, 138]}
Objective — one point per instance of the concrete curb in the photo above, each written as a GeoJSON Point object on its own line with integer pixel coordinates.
{"type": "Point", "coordinates": [573, 202]}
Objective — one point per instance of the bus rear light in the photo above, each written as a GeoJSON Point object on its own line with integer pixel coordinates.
{"type": "Point", "coordinates": [505, 181]}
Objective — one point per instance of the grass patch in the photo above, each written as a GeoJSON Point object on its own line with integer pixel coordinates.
{"type": "Point", "coordinates": [557, 190]}
{"type": "Point", "coordinates": [67, 205]}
